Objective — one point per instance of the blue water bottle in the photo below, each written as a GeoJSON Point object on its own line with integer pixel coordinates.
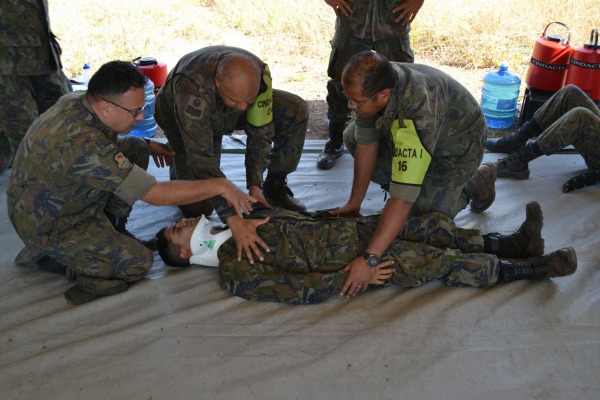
{"type": "Point", "coordinates": [147, 127]}
{"type": "Point", "coordinates": [499, 97]}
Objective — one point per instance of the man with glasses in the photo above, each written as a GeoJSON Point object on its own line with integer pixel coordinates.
{"type": "Point", "coordinates": [214, 91]}
{"type": "Point", "coordinates": [420, 135]}
{"type": "Point", "coordinates": [74, 182]}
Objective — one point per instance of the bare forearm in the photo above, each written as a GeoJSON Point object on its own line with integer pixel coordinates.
{"type": "Point", "coordinates": [365, 159]}
{"type": "Point", "coordinates": [392, 221]}
{"type": "Point", "coordinates": [185, 192]}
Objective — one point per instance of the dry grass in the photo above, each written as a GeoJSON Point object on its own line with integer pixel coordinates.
{"type": "Point", "coordinates": [465, 38]}
{"type": "Point", "coordinates": [292, 34]}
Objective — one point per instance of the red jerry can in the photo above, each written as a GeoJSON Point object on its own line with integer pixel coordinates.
{"type": "Point", "coordinates": [584, 68]}
{"type": "Point", "coordinates": [549, 62]}
{"type": "Point", "coordinates": [152, 69]}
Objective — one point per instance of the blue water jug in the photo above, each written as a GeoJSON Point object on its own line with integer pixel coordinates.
{"type": "Point", "coordinates": [499, 97]}
{"type": "Point", "coordinates": [147, 127]}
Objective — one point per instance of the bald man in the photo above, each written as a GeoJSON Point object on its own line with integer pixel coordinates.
{"type": "Point", "coordinates": [212, 92]}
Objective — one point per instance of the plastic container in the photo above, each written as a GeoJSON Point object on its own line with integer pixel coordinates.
{"type": "Point", "coordinates": [147, 127]}
{"type": "Point", "coordinates": [584, 68]}
{"type": "Point", "coordinates": [550, 61]}
{"type": "Point", "coordinates": [499, 97]}
{"type": "Point", "coordinates": [152, 69]}
{"type": "Point", "coordinates": [86, 73]}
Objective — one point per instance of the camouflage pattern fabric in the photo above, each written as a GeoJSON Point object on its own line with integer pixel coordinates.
{"type": "Point", "coordinates": [570, 117]}
{"type": "Point", "coordinates": [194, 119]}
{"type": "Point", "coordinates": [31, 76]}
{"type": "Point", "coordinates": [309, 250]}
{"type": "Point", "coordinates": [69, 167]}
{"type": "Point", "coordinates": [370, 26]}
{"type": "Point", "coordinates": [450, 126]}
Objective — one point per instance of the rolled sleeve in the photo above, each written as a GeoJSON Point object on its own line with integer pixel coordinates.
{"type": "Point", "coordinates": [137, 184]}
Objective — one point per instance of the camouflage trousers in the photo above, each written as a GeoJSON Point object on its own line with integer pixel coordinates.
{"type": "Point", "coordinates": [23, 99]}
{"type": "Point", "coordinates": [570, 117]}
{"type": "Point", "coordinates": [343, 46]}
{"type": "Point", "coordinates": [448, 198]}
{"type": "Point", "coordinates": [309, 251]}
{"type": "Point", "coordinates": [92, 248]}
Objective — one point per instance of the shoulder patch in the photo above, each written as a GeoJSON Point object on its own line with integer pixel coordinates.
{"type": "Point", "coordinates": [122, 161]}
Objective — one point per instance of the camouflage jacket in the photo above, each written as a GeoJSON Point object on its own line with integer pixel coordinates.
{"type": "Point", "coordinates": [371, 20]}
{"type": "Point", "coordinates": [67, 166]}
{"type": "Point", "coordinates": [27, 45]}
{"type": "Point", "coordinates": [445, 121]}
{"type": "Point", "coordinates": [193, 116]}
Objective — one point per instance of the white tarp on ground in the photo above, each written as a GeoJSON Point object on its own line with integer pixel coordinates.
{"type": "Point", "coordinates": [178, 335]}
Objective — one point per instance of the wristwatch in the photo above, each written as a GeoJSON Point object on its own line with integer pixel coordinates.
{"type": "Point", "coordinates": [371, 259]}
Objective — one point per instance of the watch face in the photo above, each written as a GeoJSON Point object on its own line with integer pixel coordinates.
{"type": "Point", "coordinates": [371, 259]}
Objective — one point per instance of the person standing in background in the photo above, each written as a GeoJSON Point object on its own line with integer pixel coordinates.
{"type": "Point", "coordinates": [31, 76]}
{"type": "Point", "coordinates": [379, 25]}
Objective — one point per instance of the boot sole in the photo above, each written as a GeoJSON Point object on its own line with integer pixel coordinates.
{"type": "Point", "coordinates": [534, 216]}
{"type": "Point", "coordinates": [566, 263]}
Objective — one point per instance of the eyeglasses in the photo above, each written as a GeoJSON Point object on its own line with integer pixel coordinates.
{"type": "Point", "coordinates": [358, 104]}
{"type": "Point", "coordinates": [134, 113]}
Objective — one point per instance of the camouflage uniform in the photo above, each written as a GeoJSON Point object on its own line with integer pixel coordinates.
{"type": "Point", "coordinates": [570, 117]}
{"type": "Point", "coordinates": [31, 76]}
{"type": "Point", "coordinates": [68, 169]}
{"type": "Point", "coordinates": [370, 26]}
{"type": "Point", "coordinates": [194, 119]}
{"type": "Point", "coordinates": [429, 160]}
{"type": "Point", "coordinates": [308, 251]}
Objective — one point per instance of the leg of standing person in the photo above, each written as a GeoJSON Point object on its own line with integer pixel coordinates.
{"type": "Point", "coordinates": [290, 116]}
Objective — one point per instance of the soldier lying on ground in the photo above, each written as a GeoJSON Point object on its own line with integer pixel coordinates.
{"type": "Point", "coordinates": [310, 253]}
{"type": "Point", "coordinates": [569, 117]}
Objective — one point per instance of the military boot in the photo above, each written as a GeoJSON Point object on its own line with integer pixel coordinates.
{"type": "Point", "coordinates": [514, 142]}
{"type": "Point", "coordinates": [278, 194]}
{"type": "Point", "coordinates": [89, 287]}
{"type": "Point", "coordinates": [589, 178]}
{"type": "Point", "coordinates": [562, 262]}
{"type": "Point", "coordinates": [334, 148]}
{"type": "Point", "coordinates": [28, 257]}
{"type": "Point", "coordinates": [119, 224]}
{"type": "Point", "coordinates": [526, 242]}
{"type": "Point", "coordinates": [481, 188]}
{"type": "Point", "coordinates": [516, 165]}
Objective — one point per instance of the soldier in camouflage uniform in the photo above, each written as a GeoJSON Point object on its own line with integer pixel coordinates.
{"type": "Point", "coordinates": [420, 135]}
{"type": "Point", "coordinates": [74, 181]}
{"type": "Point", "coordinates": [31, 76]}
{"type": "Point", "coordinates": [379, 25]}
{"type": "Point", "coordinates": [310, 252]}
{"type": "Point", "coordinates": [569, 117]}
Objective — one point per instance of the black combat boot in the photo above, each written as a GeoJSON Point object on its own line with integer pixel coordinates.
{"type": "Point", "coordinates": [526, 242]}
{"type": "Point", "coordinates": [334, 148]}
{"type": "Point", "coordinates": [589, 178]}
{"type": "Point", "coordinates": [28, 257]}
{"type": "Point", "coordinates": [516, 165]}
{"type": "Point", "coordinates": [119, 224]}
{"type": "Point", "coordinates": [278, 194]}
{"type": "Point", "coordinates": [562, 262]}
{"type": "Point", "coordinates": [514, 142]}
{"type": "Point", "coordinates": [481, 188]}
